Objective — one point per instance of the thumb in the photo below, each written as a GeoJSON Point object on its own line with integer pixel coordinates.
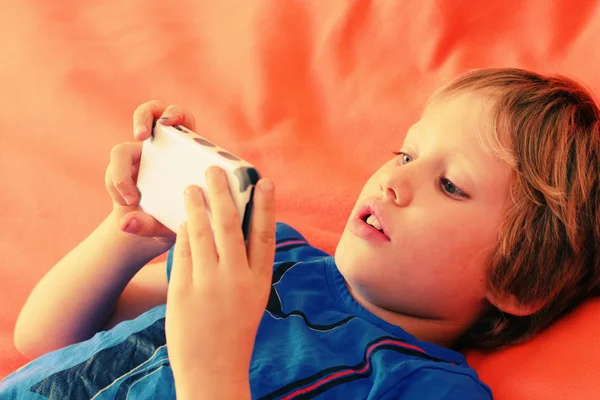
{"type": "Point", "coordinates": [142, 224]}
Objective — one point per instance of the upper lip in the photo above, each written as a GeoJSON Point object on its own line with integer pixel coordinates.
{"type": "Point", "coordinates": [375, 207]}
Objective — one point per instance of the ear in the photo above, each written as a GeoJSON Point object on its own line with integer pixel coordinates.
{"type": "Point", "coordinates": [510, 304]}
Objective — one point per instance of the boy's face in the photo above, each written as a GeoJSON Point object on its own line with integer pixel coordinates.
{"type": "Point", "coordinates": [433, 263]}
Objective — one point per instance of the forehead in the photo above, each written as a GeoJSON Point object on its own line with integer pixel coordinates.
{"type": "Point", "coordinates": [459, 127]}
{"type": "Point", "coordinates": [462, 119]}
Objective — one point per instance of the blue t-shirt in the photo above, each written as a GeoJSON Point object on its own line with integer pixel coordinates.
{"type": "Point", "coordinates": [314, 341]}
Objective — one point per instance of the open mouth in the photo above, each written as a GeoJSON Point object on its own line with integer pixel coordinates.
{"type": "Point", "coordinates": [373, 214]}
{"type": "Point", "coordinates": [370, 220]}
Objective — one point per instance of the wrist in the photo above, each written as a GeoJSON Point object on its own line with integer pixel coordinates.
{"type": "Point", "coordinates": [224, 386]}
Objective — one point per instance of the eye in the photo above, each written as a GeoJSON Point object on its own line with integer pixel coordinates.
{"type": "Point", "coordinates": [452, 189]}
{"type": "Point", "coordinates": [446, 184]}
{"type": "Point", "coordinates": [404, 158]}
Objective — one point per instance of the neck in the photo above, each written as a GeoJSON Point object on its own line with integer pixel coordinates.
{"type": "Point", "coordinates": [437, 331]}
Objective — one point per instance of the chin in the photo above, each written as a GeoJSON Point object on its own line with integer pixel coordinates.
{"type": "Point", "coordinates": [350, 261]}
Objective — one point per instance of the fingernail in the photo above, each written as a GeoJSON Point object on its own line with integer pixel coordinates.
{"type": "Point", "coordinates": [131, 226]}
{"type": "Point", "coordinates": [218, 172]}
{"type": "Point", "coordinates": [191, 189]}
{"type": "Point", "coordinates": [129, 199]}
{"type": "Point", "coordinates": [265, 185]}
{"type": "Point", "coordinates": [140, 130]}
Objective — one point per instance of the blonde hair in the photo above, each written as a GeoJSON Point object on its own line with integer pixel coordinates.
{"type": "Point", "coordinates": [548, 129]}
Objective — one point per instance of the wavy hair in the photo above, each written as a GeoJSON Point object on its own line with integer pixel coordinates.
{"type": "Point", "coordinates": [547, 128]}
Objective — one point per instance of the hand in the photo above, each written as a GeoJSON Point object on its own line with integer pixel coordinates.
{"type": "Point", "coordinates": [218, 291]}
{"type": "Point", "coordinates": [122, 172]}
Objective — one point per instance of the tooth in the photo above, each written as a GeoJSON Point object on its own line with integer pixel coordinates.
{"type": "Point", "coordinates": [373, 222]}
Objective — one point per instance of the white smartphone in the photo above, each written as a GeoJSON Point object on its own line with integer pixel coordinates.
{"type": "Point", "coordinates": [173, 158]}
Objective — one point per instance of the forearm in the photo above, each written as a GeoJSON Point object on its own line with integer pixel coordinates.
{"type": "Point", "coordinates": [226, 386]}
{"type": "Point", "coordinates": [76, 297]}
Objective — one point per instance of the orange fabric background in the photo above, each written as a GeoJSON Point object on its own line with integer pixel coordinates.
{"type": "Point", "coordinates": [314, 93]}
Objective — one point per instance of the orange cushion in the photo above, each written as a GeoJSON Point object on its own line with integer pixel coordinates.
{"type": "Point", "coordinates": [315, 93]}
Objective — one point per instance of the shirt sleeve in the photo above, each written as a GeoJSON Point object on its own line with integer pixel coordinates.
{"type": "Point", "coordinates": [439, 384]}
{"type": "Point", "coordinates": [291, 246]}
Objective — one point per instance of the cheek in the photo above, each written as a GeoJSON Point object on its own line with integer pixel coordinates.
{"type": "Point", "coordinates": [447, 255]}
{"type": "Point", "coordinates": [462, 253]}
{"type": "Point", "coordinates": [370, 188]}
{"type": "Point", "coordinates": [451, 232]}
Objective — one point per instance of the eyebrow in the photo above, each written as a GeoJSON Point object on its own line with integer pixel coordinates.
{"type": "Point", "coordinates": [468, 169]}
{"type": "Point", "coordinates": [468, 166]}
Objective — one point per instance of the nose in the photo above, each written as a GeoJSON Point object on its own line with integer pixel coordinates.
{"type": "Point", "coordinates": [396, 185]}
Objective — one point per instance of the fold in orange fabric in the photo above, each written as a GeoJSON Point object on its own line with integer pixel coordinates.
{"type": "Point", "coordinates": [316, 94]}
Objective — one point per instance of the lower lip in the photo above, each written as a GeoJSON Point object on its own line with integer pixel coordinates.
{"type": "Point", "coordinates": [366, 231]}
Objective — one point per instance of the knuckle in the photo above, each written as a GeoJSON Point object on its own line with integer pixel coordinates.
{"type": "Point", "coordinates": [231, 222]}
{"type": "Point", "coordinates": [121, 184]}
{"type": "Point", "coordinates": [222, 186]}
{"type": "Point", "coordinates": [174, 108]}
{"type": "Point", "coordinates": [124, 150]}
{"type": "Point", "coordinates": [153, 106]}
{"type": "Point", "coordinates": [175, 113]}
{"type": "Point", "coordinates": [240, 241]}
{"type": "Point", "coordinates": [116, 151]}
{"type": "Point", "coordinates": [196, 198]}
{"type": "Point", "coordinates": [171, 111]}
{"type": "Point", "coordinates": [201, 233]}
{"type": "Point", "coordinates": [266, 237]}
{"type": "Point", "coordinates": [145, 111]}
{"type": "Point", "coordinates": [185, 252]}
{"type": "Point", "coordinates": [268, 205]}
{"type": "Point", "coordinates": [154, 103]}
{"type": "Point", "coordinates": [141, 110]}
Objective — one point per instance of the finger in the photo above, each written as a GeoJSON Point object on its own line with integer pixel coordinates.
{"type": "Point", "coordinates": [144, 116]}
{"type": "Point", "coordinates": [181, 273]}
{"type": "Point", "coordinates": [119, 178]}
{"type": "Point", "coordinates": [142, 224]}
{"type": "Point", "coordinates": [175, 115]}
{"type": "Point", "coordinates": [204, 252]}
{"type": "Point", "coordinates": [229, 238]}
{"type": "Point", "coordinates": [261, 243]}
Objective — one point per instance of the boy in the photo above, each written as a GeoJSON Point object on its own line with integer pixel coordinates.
{"type": "Point", "coordinates": [481, 231]}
